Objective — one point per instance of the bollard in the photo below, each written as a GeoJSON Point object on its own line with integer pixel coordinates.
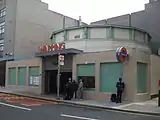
{"type": "Point", "coordinates": [159, 98]}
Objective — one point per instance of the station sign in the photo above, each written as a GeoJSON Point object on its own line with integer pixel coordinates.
{"type": "Point", "coordinates": [122, 54]}
{"type": "Point", "coordinates": [52, 47]}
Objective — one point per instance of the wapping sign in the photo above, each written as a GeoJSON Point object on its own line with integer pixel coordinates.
{"type": "Point", "coordinates": [52, 47]}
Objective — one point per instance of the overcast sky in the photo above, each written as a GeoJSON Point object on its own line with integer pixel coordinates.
{"type": "Point", "coordinates": [93, 10]}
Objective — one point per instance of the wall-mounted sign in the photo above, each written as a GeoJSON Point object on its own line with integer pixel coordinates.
{"type": "Point", "coordinates": [52, 47]}
{"type": "Point", "coordinates": [61, 59]}
{"type": "Point", "coordinates": [122, 54]}
{"type": "Point", "coordinates": [35, 80]}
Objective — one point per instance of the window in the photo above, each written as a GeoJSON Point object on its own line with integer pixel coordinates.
{"type": "Point", "coordinates": [1, 41]}
{"type": "Point", "coordinates": [1, 29]}
{"type": "Point", "coordinates": [88, 81]}
{"type": "Point", "coordinates": [1, 37]}
{"type": "Point", "coordinates": [1, 48]}
{"type": "Point", "coordinates": [86, 72]}
{"type": "Point", "coordinates": [2, 12]}
{"type": "Point", "coordinates": [2, 26]}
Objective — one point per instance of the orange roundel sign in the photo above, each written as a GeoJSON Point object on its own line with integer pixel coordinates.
{"type": "Point", "coordinates": [122, 54]}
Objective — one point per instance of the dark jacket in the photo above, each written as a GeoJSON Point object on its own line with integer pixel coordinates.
{"type": "Point", "coordinates": [75, 86]}
{"type": "Point", "coordinates": [120, 86]}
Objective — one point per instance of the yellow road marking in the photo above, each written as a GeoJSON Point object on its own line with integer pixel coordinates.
{"type": "Point", "coordinates": [31, 104]}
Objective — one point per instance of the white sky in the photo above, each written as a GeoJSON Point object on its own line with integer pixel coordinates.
{"type": "Point", "coordinates": [93, 10]}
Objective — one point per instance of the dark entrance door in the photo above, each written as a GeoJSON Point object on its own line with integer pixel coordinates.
{"type": "Point", "coordinates": [51, 81]}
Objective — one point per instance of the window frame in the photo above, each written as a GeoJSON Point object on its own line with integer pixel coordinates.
{"type": "Point", "coordinates": [84, 79]}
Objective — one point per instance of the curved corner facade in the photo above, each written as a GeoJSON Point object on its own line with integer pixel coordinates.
{"type": "Point", "coordinates": [90, 55]}
{"type": "Point", "coordinates": [102, 38]}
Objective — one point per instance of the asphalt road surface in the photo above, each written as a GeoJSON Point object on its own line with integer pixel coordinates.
{"type": "Point", "coordinates": [19, 108]}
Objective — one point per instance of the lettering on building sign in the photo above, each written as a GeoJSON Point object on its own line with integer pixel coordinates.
{"type": "Point", "coordinates": [52, 47]}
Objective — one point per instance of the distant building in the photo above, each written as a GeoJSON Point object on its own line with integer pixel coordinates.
{"type": "Point", "coordinates": [25, 24]}
{"type": "Point", "coordinates": [148, 19]}
{"type": "Point", "coordinates": [89, 54]}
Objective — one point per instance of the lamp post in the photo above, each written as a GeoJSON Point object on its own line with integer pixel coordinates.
{"type": "Point", "coordinates": [159, 98]}
{"type": "Point", "coordinates": [60, 62]}
{"type": "Point", "coordinates": [58, 78]}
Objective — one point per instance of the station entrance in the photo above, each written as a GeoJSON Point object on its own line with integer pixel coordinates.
{"type": "Point", "coordinates": [51, 81]}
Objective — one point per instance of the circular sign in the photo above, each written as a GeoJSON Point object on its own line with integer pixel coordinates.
{"type": "Point", "coordinates": [122, 54]}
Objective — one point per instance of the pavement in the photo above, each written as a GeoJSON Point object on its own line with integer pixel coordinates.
{"type": "Point", "coordinates": [148, 108]}
{"type": "Point", "coordinates": [12, 107]}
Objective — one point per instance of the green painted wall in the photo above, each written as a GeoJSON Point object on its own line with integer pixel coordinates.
{"type": "Point", "coordinates": [12, 76]}
{"type": "Point", "coordinates": [109, 74]}
{"type": "Point", "coordinates": [86, 70]}
{"type": "Point", "coordinates": [141, 77]}
{"type": "Point", "coordinates": [22, 74]}
{"type": "Point", "coordinates": [34, 71]}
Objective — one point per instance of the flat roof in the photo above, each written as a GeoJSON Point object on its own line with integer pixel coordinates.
{"type": "Point", "coordinates": [101, 26]}
{"type": "Point", "coordinates": [56, 52]}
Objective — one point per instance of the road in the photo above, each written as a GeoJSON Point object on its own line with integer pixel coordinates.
{"type": "Point", "coordinates": [18, 108]}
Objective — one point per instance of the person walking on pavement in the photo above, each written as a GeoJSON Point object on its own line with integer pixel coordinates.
{"type": "Point", "coordinates": [120, 88]}
{"type": "Point", "coordinates": [75, 88]}
{"type": "Point", "coordinates": [68, 90]}
{"type": "Point", "coordinates": [80, 89]}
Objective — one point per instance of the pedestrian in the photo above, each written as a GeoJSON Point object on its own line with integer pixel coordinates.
{"type": "Point", "coordinates": [80, 89]}
{"type": "Point", "coordinates": [120, 88]}
{"type": "Point", "coordinates": [75, 88]}
{"type": "Point", "coordinates": [68, 90]}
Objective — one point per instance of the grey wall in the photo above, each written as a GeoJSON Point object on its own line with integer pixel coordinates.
{"type": "Point", "coordinates": [138, 20]}
{"type": "Point", "coordinates": [3, 2]}
{"type": "Point", "coordinates": [148, 20]}
{"type": "Point", "coordinates": [152, 20]}
{"type": "Point", "coordinates": [120, 20]}
{"type": "Point", "coordinates": [101, 22]}
{"type": "Point", "coordinates": [10, 21]}
{"type": "Point", "coordinates": [29, 24]}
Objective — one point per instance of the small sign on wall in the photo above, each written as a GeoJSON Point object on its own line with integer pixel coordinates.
{"type": "Point", "coordinates": [35, 80]}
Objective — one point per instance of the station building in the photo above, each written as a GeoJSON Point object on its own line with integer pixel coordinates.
{"type": "Point", "coordinates": [90, 55]}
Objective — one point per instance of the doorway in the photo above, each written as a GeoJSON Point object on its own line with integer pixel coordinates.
{"type": "Point", "coordinates": [2, 73]}
{"type": "Point", "coordinates": [51, 81]}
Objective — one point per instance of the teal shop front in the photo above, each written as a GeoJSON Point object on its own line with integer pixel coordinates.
{"type": "Point", "coordinates": [100, 72]}
{"type": "Point", "coordinates": [86, 72]}
{"type": "Point", "coordinates": [109, 74]}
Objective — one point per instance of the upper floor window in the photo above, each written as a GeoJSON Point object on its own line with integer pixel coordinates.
{"type": "Point", "coordinates": [2, 12]}
{"type": "Point", "coordinates": [2, 26]}
{"type": "Point", "coordinates": [1, 47]}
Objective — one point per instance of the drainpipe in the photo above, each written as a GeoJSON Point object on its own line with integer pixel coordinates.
{"type": "Point", "coordinates": [130, 20]}
{"type": "Point", "coordinates": [79, 21]}
{"type": "Point", "coordinates": [64, 22]}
